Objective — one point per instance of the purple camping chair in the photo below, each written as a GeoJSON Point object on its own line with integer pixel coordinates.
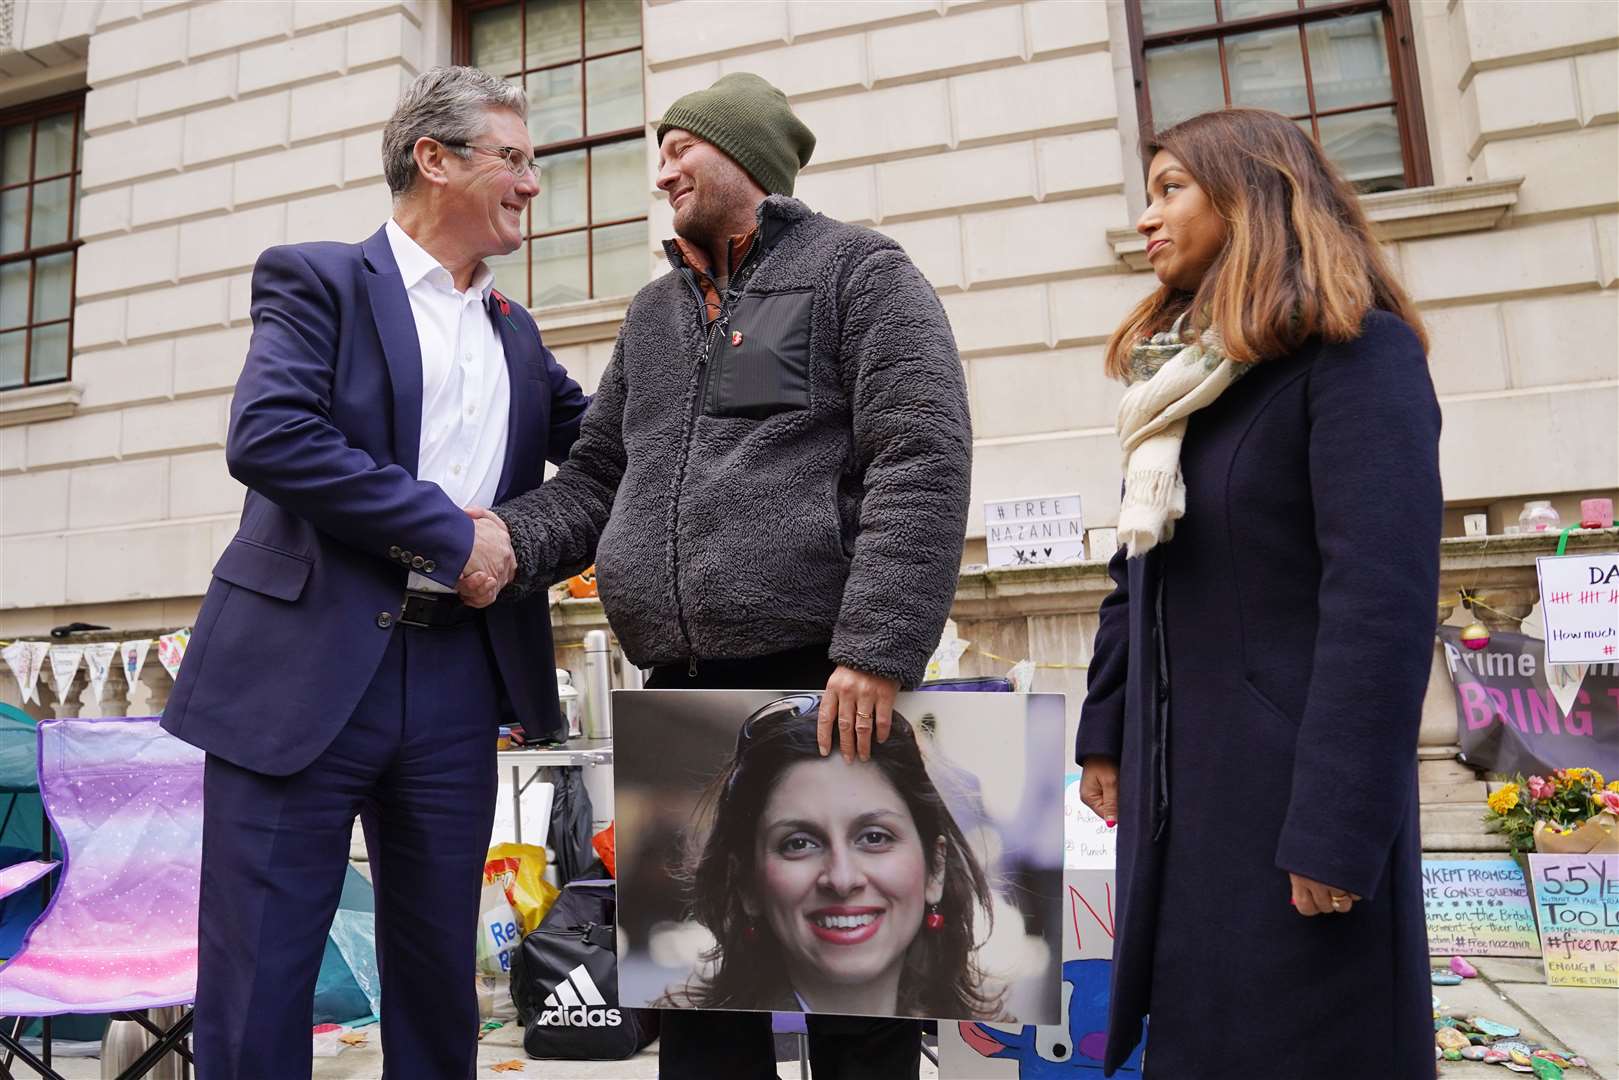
{"type": "Point", "coordinates": [120, 933]}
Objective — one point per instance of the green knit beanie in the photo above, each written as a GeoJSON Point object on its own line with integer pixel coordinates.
{"type": "Point", "coordinates": [751, 121]}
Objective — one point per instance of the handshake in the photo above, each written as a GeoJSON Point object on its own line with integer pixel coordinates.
{"type": "Point", "coordinates": [492, 565]}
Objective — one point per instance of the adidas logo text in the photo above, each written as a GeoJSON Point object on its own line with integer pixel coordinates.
{"type": "Point", "coordinates": [575, 1002]}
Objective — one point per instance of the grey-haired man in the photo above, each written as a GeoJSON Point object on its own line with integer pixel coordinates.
{"type": "Point", "coordinates": [387, 388]}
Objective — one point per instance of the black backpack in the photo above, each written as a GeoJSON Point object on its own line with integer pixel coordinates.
{"type": "Point", "coordinates": [565, 982]}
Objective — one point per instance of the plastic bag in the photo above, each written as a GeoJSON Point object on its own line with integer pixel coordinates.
{"type": "Point", "coordinates": [571, 825]}
{"type": "Point", "coordinates": [498, 931]}
{"type": "Point", "coordinates": [520, 870]}
{"type": "Point", "coordinates": [606, 850]}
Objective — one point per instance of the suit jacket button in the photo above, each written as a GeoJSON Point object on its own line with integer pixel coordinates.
{"type": "Point", "coordinates": [417, 563]}
{"type": "Point", "coordinates": [393, 552]}
{"type": "Point", "coordinates": [429, 566]}
{"type": "Point", "coordinates": [404, 556]}
{"type": "Point", "coordinates": [385, 619]}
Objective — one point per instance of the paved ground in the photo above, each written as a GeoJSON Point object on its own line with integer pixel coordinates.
{"type": "Point", "coordinates": [1584, 1022]}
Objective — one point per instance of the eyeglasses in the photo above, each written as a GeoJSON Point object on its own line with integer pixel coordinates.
{"type": "Point", "coordinates": [517, 162]}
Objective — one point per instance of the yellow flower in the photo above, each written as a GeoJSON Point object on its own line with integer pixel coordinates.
{"type": "Point", "coordinates": [1589, 776]}
{"type": "Point", "coordinates": [1503, 799]}
{"type": "Point", "coordinates": [1613, 785]}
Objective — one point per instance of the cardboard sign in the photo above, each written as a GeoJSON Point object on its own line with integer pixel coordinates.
{"type": "Point", "coordinates": [1088, 844]}
{"type": "Point", "coordinates": [1478, 907]}
{"type": "Point", "coordinates": [1029, 532]}
{"type": "Point", "coordinates": [1579, 599]}
{"type": "Point", "coordinates": [1577, 901]}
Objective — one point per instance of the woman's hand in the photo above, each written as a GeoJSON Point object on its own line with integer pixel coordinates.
{"type": "Point", "coordinates": [1099, 787]}
{"type": "Point", "coordinates": [1313, 898]}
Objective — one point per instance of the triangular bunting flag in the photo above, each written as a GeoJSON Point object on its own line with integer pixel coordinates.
{"type": "Point", "coordinates": [65, 661]}
{"type": "Point", "coordinates": [98, 659]}
{"type": "Point", "coordinates": [171, 649]}
{"type": "Point", "coordinates": [134, 657]}
{"type": "Point", "coordinates": [26, 658]}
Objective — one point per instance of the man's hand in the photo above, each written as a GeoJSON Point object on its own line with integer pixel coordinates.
{"type": "Point", "coordinates": [491, 566]}
{"type": "Point", "coordinates": [859, 703]}
{"type": "Point", "coordinates": [1310, 897]}
{"type": "Point", "coordinates": [1099, 787]}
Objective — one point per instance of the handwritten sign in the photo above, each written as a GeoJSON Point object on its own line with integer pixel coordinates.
{"type": "Point", "coordinates": [1088, 844]}
{"type": "Point", "coordinates": [1579, 597]}
{"type": "Point", "coordinates": [1577, 900]}
{"type": "Point", "coordinates": [1478, 907]}
{"type": "Point", "coordinates": [1028, 532]}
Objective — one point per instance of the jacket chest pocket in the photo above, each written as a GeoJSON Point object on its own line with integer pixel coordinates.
{"type": "Point", "coordinates": [761, 366]}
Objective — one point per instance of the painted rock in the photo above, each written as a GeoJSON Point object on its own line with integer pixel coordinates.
{"type": "Point", "coordinates": [1451, 1055]}
{"type": "Point", "coordinates": [1490, 1027]}
{"type": "Point", "coordinates": [1545, 1070]}
{"type": "Point", "coordinates": [1474, 1053]}
{"type": "Point", "coordinates": [1515, 1067]}
{"type": "Point", "coordinates": [1445, 1022]}
{"type": "Point", "coordinates": [1492, 1056]}
{"type": "Point", "coordinates": [1463, 968]}
{"type": "Point", "coordinates": [1518, 1056]}
{"type": "Point", "coordinates": [1450, 1039]}
{"type": "Point", "coordinates": [1444, 978]}
{"type": "Point", "coordinates": [1561, 1061]}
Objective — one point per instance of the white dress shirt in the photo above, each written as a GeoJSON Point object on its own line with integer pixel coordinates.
{"type": "Point", "coordinates": [466, 393]}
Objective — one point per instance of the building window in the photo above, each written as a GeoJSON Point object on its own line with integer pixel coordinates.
{"type": "Point", "coordinates": [580, 63]}
{"type": "Point", "coordinates": [1344, 71]}
{"type": "Point", "coordinates": [40, 149]}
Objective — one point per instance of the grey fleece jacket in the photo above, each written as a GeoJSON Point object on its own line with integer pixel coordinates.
{"type": "Point", "coordinates": [796, 471]}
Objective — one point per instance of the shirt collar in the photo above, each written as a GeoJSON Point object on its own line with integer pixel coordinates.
{"type": "Point", "coordinates": [697, 259]}
{"type": "Point", "coordinates": [415, 264]}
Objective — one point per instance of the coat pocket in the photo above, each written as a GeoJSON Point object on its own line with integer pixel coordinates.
{"type": "Point", "coordinates": [267, 570]}
{"type": "Point", "coordinates": [761, 366]}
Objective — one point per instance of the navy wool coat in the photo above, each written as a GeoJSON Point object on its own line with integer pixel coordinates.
{"type": "Point", "coordinates": [1260, 679]}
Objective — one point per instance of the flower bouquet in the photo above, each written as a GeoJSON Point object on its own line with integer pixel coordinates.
{"type": "Point", "coordinates": [1571, 812]}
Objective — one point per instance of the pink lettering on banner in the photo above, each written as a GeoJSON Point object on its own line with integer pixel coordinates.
{"type": "Point", "coordinates": [1542, 705]}
{"type": "Point", "coordinates": [1498, 698]}
{"type": "Point", "coordinates": [1583, 716]}
{"type": "Point", "coordinates": [1479, 713]}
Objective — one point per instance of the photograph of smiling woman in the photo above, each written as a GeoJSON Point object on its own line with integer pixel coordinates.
{"type": "Point", "coordinates": [907, 947]}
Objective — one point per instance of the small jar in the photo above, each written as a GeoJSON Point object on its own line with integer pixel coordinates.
{"type": "Point", "coordinates": [503, 741]}
{"type": "Point", "coordinates": [1539, 516]}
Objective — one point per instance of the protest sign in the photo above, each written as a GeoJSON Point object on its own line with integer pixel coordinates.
{"type": "Point", "coordinates": [1579, 599]}
{"type": "Point", "coordinates": [753, 873]}
{"type": "Point", "coordinates": [1026, 532]}
{"type": "Point", "coordinates": [1478, 907]}
{"type": "Point", "coordinates": [1508, 720]}
{"type": "Point", "coordinates": [1577, 902]}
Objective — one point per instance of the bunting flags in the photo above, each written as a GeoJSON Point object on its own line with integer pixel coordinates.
{"type": "Point", "coordinates": [98, 661]}
{"type": "Point", "coordinates": [65, 660]}
{"type": "Point", "coordinates": [26, 658]}
{"type": "Point", "coordinates": [134, 657]}
{"type": "Point", "coordinates": [171, 649]}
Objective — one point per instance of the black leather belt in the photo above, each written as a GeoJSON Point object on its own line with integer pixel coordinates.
{"type": "Point", "coordinates": [434, 611]}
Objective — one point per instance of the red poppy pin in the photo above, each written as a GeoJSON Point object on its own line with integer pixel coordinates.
{"type": "Point", "coordinates": [736, 338]}
{"type": "Point", "coordinates": [505, 308]}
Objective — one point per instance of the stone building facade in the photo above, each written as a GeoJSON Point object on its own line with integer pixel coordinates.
{"type": "Point", "coordinates": [997, 141]}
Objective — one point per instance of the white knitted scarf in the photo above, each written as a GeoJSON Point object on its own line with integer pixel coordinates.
{"type": "Point", "coordinates": [1168, 381]}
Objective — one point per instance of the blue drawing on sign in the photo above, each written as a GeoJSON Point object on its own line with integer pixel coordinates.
{"type": "Point", "coordinates": [1050, 1052]}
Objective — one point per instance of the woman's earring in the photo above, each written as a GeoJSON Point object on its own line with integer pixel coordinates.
{"type": "Point", "coordinates": [934, 921]}
{"type": "Point", "coordinates": [750, 933]}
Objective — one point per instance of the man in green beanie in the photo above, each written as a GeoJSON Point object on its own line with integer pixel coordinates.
{"type": "Point", "coordinates": [773, 481]}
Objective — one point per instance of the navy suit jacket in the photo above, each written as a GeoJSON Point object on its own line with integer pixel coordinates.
{"type": "Point", "coordinates": [324, 432]}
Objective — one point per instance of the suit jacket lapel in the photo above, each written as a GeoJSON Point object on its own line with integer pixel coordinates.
{"type": "Point", "coordinates": [401, 348]}
{"type": "Point", "coordinates": [525, 400]}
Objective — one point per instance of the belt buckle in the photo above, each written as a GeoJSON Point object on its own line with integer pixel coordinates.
{"type": "Point", "coordinates": [411, 612]}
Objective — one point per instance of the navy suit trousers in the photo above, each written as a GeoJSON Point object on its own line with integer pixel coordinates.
{"type": "Point", "coordinates": [417, 761]}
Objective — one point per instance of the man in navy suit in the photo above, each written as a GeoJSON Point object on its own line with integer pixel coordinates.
{"type": "Point", "coordinates": [389, 393]}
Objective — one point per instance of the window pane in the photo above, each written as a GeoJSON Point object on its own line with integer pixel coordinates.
{"type": "Point", "coordinates": [53, 153]}
{"type": "Point", "coordinates": [1267, 70]}
{"type": "Point", "coordinates": [611, 25]}
{"type": "Point", "coordinates": [11, 357]}
{"type": "Point", "coordinates": [1159, 15]}
{"type": "Point", "coordinates": [496, 35]}
{"type": "Point", "coordinates": [50, 213]}
{"type": "Point", "coordinates": [1232, 10]}
{"type": "Point", "coordinates": [50, 353]}
{"type": "Point", "coordinates": [553, 32]}
{"type": "Point", "coordinates": [14, 294]}
{"type": "Point", "coordinates": [13, 219]}
{"type": "Point", "coordinates": [1366, 146]}
{"type": "Point", "coordinates": [554, 105]}
{"type": "Point", "coordinates": [561, 275]}
{"type": "Point", "coordinates": [1348, 62]}
{"type": "Point", "coordinates": [53, 287]}
{"type": "Point", "coordinates": [618, 182]}
{"type": "Point", "coordinates": [622, 259]}
{"type": "Point", "coordinates": [511, 274]}
{"type": "Point", "coordinates": [14, 154]}
{"type": "Point", "coordinates": [1182, 81]}
{"type": "Point", "coordinates": [613, 89]}
{"type": "Point", "coordinates": [561, 201]}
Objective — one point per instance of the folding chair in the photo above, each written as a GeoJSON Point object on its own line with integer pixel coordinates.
{"type": "Point", "coordinates": [119, 935]}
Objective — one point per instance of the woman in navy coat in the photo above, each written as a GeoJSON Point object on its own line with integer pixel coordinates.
{"type": "Point", "coordinates": [1258, 675]}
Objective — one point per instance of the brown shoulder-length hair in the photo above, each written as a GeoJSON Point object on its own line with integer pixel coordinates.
{"type": "Point", "coordinates": [1300, 260]}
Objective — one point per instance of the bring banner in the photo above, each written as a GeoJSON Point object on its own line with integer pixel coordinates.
{"type": "Point", "coordinates": [1510, 719]}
